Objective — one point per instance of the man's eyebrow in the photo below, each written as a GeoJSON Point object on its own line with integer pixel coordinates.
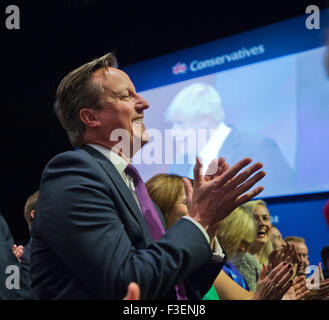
{"type": "Point", "coordinates": [119, 92]}
{"type": "Point", "coordinates": [129, 89]}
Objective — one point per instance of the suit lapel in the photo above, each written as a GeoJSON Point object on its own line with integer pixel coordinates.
{"type": "Point", "coordinates": [121, 187]}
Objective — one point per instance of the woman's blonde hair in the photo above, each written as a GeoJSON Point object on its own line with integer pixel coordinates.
{"type": "Point", "coordinates": [164, 190]}
{"type": "Point", "coordinates": [268, 248]}
{"type": "Point", "coordinates": [236, 230]}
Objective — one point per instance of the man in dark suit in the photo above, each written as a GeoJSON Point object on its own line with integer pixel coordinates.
{"type": "Point", "coordinates": [10, 268]}
{"type": "Point", "coordinates": [91, 234]}
{"type": "Point", "coordinates": [199, 106]}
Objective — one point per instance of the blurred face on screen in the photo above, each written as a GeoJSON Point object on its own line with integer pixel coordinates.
{"type": "Point", "coordinates": [263, 223]}
{"type": "Point", "coordinates": [122, 108]}
{"type": "Point", "coordinates": [185, 127]}
{"type": "Point", "coordinates": [195, 107]}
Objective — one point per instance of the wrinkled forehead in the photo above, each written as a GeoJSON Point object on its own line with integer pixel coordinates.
{"type": "Point", "coordinates": [299, 246]}
{"type": "Point", "coordinates": [112, 79]}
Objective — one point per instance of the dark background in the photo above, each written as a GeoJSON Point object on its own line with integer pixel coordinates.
{"type": "Point", "coordinates": [57, 36]}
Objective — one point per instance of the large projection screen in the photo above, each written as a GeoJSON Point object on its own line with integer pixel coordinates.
{"type": "Point", "coordinates": [263, 94]}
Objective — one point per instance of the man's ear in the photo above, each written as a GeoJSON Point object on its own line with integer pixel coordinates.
{"type": "Point", "coordinates": [89, 117]}
{"type": "Point", "coordinates": [32, 214]}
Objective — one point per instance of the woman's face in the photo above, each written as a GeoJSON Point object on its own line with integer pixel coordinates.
{"type": "Point", "coordinates": [179, 210]}
{"type": "Point", "coordinates": [276, 239]}
{"type": "Point", "coordinates": [263, 223]}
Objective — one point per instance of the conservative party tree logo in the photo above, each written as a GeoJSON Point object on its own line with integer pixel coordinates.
{"type": "Point", "coordinates": [179, 68]}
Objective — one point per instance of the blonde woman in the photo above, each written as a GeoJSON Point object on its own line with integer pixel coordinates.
{"type": "Point", "coordinates": [235, 234]}
{"type": "Point", "coordinates": [168, 192]}
{"type": "Point", "coordinates": [250, 263]}
{"type": "Point", "coordinates": [262, 246]}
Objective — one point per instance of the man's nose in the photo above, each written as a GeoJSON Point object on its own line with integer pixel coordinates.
{"type": "Point", "coordinates": [141, 104]}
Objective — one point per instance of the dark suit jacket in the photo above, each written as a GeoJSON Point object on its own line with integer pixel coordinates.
{"type": "Point", "coordinates": [7, 258]}
{"type": "Point", "coordinates": [279, 177]}
{"type": "Point", "coordinates": [90, 238]}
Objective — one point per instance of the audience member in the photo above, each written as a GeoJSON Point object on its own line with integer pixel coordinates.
{"type": "Point", "coordinates": [302, 251]}
{"type": "Point", "coordinates": [7, 259]}
{"type": "Point", "coordinates": [261, 246]}
{"type": "Point", "coordinates": [276, 238]}
{"type": "Point", "coordinates": [318, 287]}
{"type": "Point", "coordinates": [95, 228]}
{"type": "Point", "coordinates": [29, 209]}
{"type": "Point", "coordinates": [236, 232]}
{"type": "Point", "coordinates": [252, 262]}
{"type": "Point", "coordinates": [286, 253]}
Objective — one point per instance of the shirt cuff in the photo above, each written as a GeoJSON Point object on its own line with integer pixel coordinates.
{"type": "Point", "coordinates": [218, 254]}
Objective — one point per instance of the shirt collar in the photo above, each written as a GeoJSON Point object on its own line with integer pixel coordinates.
{"type": "Point", "coordinates": [119, 163]}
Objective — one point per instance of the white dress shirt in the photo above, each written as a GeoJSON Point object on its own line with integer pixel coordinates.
{"type": "Point", "coordinates": [120, 164]}
{"type": "Point", "coordinates": [211, 150]}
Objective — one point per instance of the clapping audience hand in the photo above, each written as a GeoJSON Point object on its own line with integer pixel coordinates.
{"type": "Point", "coordinates": [275, 284]}
{"type": "Point", "coordinates": [322, 293]}
{"type": "Point", "coordinates": [288, 254]}
{"type": "Point", "coordinates": [133, 292]}
{"type": "Point", "coordinates": [298, 290]}
{"type": "Point", "coordinates": [17, 251]}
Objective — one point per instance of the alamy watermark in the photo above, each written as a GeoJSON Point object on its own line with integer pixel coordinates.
{"type": "Point", "coordinates": [313, 20]}
{"type": "Point", "coordinates": [173, 146]}
{"type": "Point", "coordinates": [13, 280]}
{"type": "Point", "coordinates": [313, 281]}
{"type": "Point", "coordinates": [13, 19]}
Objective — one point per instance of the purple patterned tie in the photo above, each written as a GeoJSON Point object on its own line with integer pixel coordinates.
{"type": "Point", "coordinates": [151, 216]}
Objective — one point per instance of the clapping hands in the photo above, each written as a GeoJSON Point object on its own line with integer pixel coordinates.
{"type": "Point", "coordinates": [275, 284]}
{"type": "Point", "coordinates": [214, 196]}
{"type": "Point", "coordinates": [17, 251]}
{"type": "Point", "coordinates": [286, 254]}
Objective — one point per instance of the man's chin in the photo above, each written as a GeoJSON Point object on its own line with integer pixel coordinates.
{"type": "Point", "coordinates": [145, 138]}
{"type": "Point", "coordinates": [145, 142]}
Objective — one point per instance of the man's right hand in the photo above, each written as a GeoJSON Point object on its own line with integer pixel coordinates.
{"type": "Point", "coordinates": [212, 200]}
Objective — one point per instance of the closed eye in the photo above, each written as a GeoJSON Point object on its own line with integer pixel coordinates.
{"type": "Point", "coordinates": [124, 96]}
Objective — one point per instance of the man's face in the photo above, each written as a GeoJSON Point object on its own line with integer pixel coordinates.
{"type": "Point", "coordinates": [122, 108]}
{"type": "Point", "coordinates": [301, 250]}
